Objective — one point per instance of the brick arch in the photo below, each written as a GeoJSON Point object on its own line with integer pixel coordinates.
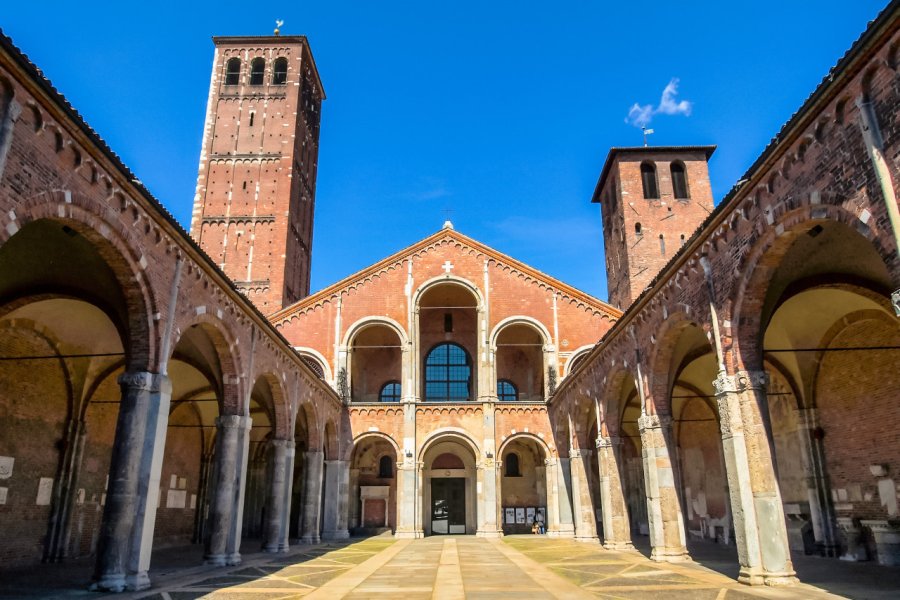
{"type": "Point", "coordinates": [120, 248]}
{"type": "Point", "coordinates": [280, 408]}
{"type": "Point", "coordinates": [661, 375]}
{"type": "Point", "coordinates": [330, 440]}
{"type": "Point", "coordinates": [365, 322]}
{"type": "Point", "coordinates": [227, 351]}
{"type": "Point", "coordinates": [366, 435]}
{"type": "Point", "coordinates": [520, 320]}
{"type": "Point", "coordinates": [450, 433]}
{"type": "Point", "coordinates": [764, 258]}
{"type": "Point", "coordinates": [612, 400]}
{"type": "Point", "coordinates": [312, 424]}
{"type": "Point", "coordinates": [449, 279]}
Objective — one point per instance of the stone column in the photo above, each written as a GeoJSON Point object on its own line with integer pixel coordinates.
{"type": "Point", "coordinates": [552, 497]}
{"type": "Point", "coordinates": [240, 487]}
{"type": "Point", "coordinates": [408, 526]}
{"type": "Point", "coordinates": [285, 535]}
{"type": "Point", "coordinates": [561, 481]}
{"type": "Point", "coordinates": [312, 498]}
{"type": "Point", "coordinates": [275, 517]}
{"type": "Point", "coordinates": [582, 506]}
{"type": "Point", "coordinates": [337, 480]}
{"type": "Point", "coordinates": [616, 528]}
{"type": "Point", "coordinates": [487, 508]}
{"type": "Point", "coordinates": [663, 507]}
{"type": "Point", "coordinates": [354, 505]}
{"type": "Point", "coordinates": [818, 493]}
{"type": "Point", "coordinates": [221, 513]}
{"type": "Point", "coordinates": [760, 532]}
{"type": "Point", "coordinates": [126, 531]}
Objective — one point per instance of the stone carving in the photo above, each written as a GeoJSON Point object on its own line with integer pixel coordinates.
{"type": "Point", "coordinates": [140, 380]}
{"type": "Point", "coordinates": [740, 382]}
{"type": "Point", "coordinates": [895, 302]}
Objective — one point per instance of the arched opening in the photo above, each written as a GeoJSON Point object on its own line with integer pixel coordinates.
{"type": "Point", "coordinates": [233, 71]}
{"type": "Point", "coordinates": [679, 180]}
{"type": "Point", "coordinates": [390, 392]}
{"type": "Point", "coordinates": [520, 360]}
{"type": "Point", "coordinates": [507, 391]}
{"type": "Point", "coordinates": [829, 342]}
{"type": "Point", "coordinates": [257, 71]}
{"type": "Point", "coordinates": [628, 409]}
{"type": "Point", "coordinates": [449, 491]}
{"type": "Point", "coordinates": [373, 488]}
{"type": "Point", "coordinates": [375, 360]}
{"type": "Point", "coordinates": [261, 460]}
{"type": "Point", "coordinates": [304, 441]}
{"type": "Point", "coordinates": [65, 326]}
{"type": "Point", "coordinates": [279, 71]}
{"type": "Point", "coordinates": [523, 485]}
{"type": "Point", "coordinates": [648, 180]}
{"type": "Point", "coordinates": [448, 335]}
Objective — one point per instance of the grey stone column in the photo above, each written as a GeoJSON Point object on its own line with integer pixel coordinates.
{"type": "Point", "coordinates": [275, 517]}
{"type": "Point", "coordinates": [582, 506]}
{"type": "Point", "coordinates": [821, 508]}
{"type": "Point", "coordinates": [284, 536]}
{"type": "Point", "coordinates": [312, 498]}
{"type": "Point", "coordinates": [222, 507]}
{"type": "Point", "coordinates": [126, 532]}
{"type": "Point", "coordinates": [760, 531]}
{"type": "Point", "coordinates": [667, 536]}
{"type": "Point", "coordinates": [616, 529]}
{"type": "Point", "coordinates": [337, 482]}
{"type": "Point", "coordinates": [407, 524]}
{"type": "Point", "coordinates": [561, 479]}
{"type": "Point", "coordinates": [233, 548]}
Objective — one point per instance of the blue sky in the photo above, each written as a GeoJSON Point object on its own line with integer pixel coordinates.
{"type": "Point", "coordinates": [501, 112]}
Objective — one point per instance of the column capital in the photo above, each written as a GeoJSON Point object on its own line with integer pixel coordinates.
{"type": "Point", "coordinates": [646, 422]}
{"type": "Point", "coordinates": [740, 382]}
{"type": "Point", "coordinates": [607, 441]}
{"type": "Point", "coordinates": [579, 452]}
{"type": "Point", "coordinates": [138, 380]}
{"type": "Point", "coordinates": [551, 462]}
{"type": "Point", "coordinates": [229, 421]}
{"type": "Point", "coordinates": [286, 444]}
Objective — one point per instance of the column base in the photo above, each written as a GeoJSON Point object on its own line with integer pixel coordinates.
{"type": "Point", "coordinates": [756, 576]}
{"type": "Point", "coordinates": [618, 546]}
{"type": "Point", "coordinates": [272, 548]}
{"type": "Point", "coordinates": [137, 582]}
{"type": "Point", "coordinates": [310, 539]}
{"type": "Point", "coordinates": [233, 560]}
{"type": "Point", "coordinates": [410, 535]}
{"type": "Point", "coordinates": [587, 539]}
{"type": "Point", "coordinates": [215, 560]}
{"type": "Point", "coordinates": [340, 534]}
{"type": "Point", "coordinates": [110, 582]}
{"type": "Point", "coordinates": [284, 547]}
{"type": "Point", "coordinates": [489, 533]}
{"type": "Point", "coordinates": [672, 555]}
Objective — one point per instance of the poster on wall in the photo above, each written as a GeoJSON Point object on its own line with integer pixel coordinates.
{"type": "Point", "coordinates": [529, 515]}
{"type": "Point", "coordinates": [520, 516]}
{"type": "Point", "coordinates": [541, 514]}
{"type": "Point", "coordinates": [510, 518]}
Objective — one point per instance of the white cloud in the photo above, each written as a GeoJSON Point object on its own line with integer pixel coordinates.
{"type": "Point", "coordinates": [641, 115]}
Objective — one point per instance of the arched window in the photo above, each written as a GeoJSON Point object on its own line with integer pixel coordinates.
{"type": "Point", "coordinates": [637, 229]}
{"type": "Point", "coordinates": [314, 364]}
{"type": "Point", "coordinates": [233, 71]}
{"type": "Point", "coordinates": [279, 71]}
{"type": "Point", "coordinates": [679, 180]}
{"type": "Point", "coordinates": [390, 392]}
{"type": "Point", "coordinates": [385, 468]}
{"type": "Point", "coordinates": [506, 391]}
{"type": "Point", "coordinates": [257, 68]}
{"type": "Point", "coordinates": [512, 465]}
{"type": "Point", "coordinates": [648, 180]}
{"type": "Point", "coordinates": [448, 374]}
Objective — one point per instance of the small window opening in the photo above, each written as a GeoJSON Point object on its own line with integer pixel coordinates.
{"type": "Point", "coordinates": [252, 118]}
{"type": "Point", "coordinates": [506, 391]}
{"type": "Point", "coordinates": [233, 72]}
{"type": "Point", "coordinates": [385, 468]}
{"type": "Point", "coordinates": [279, 72]}
{"type": "Point", "coordinates": [245, 185]}
{"type": "Point", "coordinates": [390, 392]}
{"type": "Point", "coordinates": [662, 245]}
{"type": "Point", "coordinates": [648, 180]}
{"type": "Point", "coordinates": [257, 69]}
{"type": "Point", "coordinates": [637, 229]}
{"type": "Point", "coordinates": [512, 465]}
{"type": "Point", "coordinates": [682, 239]}
{"type": "Point", "coordinates": [448, 323]}
{"type": "Point", "coordinates": [679, 180]}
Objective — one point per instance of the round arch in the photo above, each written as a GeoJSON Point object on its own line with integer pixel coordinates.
{"type": "Point", "coordinates": [577, 355]}
{"type": "Point", "coordinates": [448, 279]}
{"type": "Point", "coordinates": [520, 320]}
{"type": "Point", "coordinates": [319, 358]}
{"type": "Point", "coordinates": [453, 433]}
{"type": "Point", "coordinates": [357, 327]}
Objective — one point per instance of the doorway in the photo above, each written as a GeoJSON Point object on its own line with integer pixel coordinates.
{"type": "Point", "coordinates": [448, 505]}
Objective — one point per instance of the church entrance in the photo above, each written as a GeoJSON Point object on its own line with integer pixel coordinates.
{"type": "Point", "coordinates": [448, 505]}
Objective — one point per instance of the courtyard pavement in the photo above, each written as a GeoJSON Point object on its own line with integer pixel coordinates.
{"type": "Point", "coordinates": [448, 567]}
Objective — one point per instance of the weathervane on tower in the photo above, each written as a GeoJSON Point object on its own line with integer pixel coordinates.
{"type": "Point", "coordinates": [278, 24]}
{"type": "Point", "coordinates": [646, 133]}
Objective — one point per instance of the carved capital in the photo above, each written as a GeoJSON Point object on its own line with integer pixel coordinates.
{"type": "Point", "coordinates": [740, 382]}
{"type": "Point", "coordinates": [895, 302]}
{"type": "Point", "coordinates": [137, 380]}
{"type": "Point", "coordinates": [229, 421]}
{"type": "Point", "coordinates": [647, 422]}
{"type": "Point", "coordinates": [550, 462]}
{"type": "Point", "coordinates": [608, 442]}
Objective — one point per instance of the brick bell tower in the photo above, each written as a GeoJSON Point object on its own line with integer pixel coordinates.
{"type": "Point", "coordinates": [256, 187]}
{"type": "Point", "coordinates": [652, 199]}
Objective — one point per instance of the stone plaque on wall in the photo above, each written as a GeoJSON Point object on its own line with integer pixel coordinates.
{"type": "Point", "coordinates": [6, 466]}
{"type": "Point", "coordinates": [3, 494]}
{"type": "Point", "coordinates": [45, 491]}
{"type": "Point", "coordinates": [176, 499]}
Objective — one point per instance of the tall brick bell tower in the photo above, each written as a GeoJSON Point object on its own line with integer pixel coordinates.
{"type": "Point", "coordinates": [256, 187]}
{"type": "Point", "coordinates": [652, 199]}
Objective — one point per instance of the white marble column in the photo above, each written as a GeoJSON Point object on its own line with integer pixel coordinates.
{"type": "Point", "coordinates": [488, 525]}
{"type": "Point", "coordinates": [614, 509]}
{"type": "Point", "coordinates": [126, 531]}
{"type": "Point", "coordinates": [312, 498]}
{"type": "Point", "coordinates": [759, 526]}
{"type": "Point", "coordinates": [233, 547]}
{"type": "Point", "coordinates": [337, 482]}
{"type": "Point", "coordinates": [582, 505]}
{"type": "Point", "coordinates": [667, 536]}
{"type": "Point", "coordinates": [274, 526]}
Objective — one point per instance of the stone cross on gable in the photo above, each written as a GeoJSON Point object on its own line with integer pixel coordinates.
{"type": "Point", "coordinates": [447, 266]}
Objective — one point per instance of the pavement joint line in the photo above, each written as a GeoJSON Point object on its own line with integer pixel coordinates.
{"type": "Point", "coordinates": [343, 584]}
{"type": "Point", "coordinates": [448, 582]}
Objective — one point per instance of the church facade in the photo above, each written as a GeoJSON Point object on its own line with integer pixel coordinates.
{"type": "Point", "coordinates": [160, 388]}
